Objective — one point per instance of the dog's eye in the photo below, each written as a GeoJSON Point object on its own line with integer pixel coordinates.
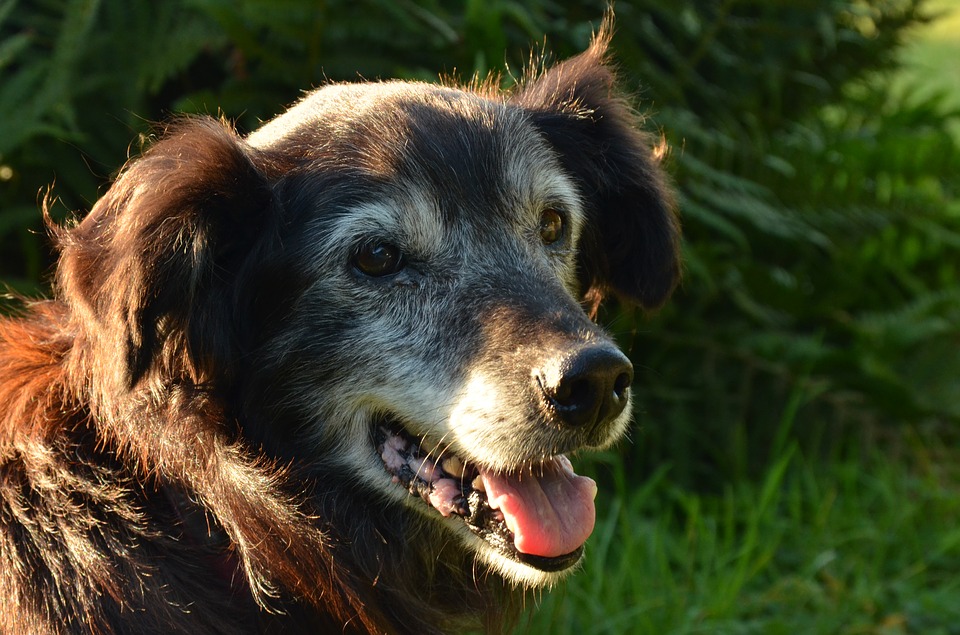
{"type": "Point", "coordinates": [378, 259]}
{"type": "Point", "coordinates": [551, 226]}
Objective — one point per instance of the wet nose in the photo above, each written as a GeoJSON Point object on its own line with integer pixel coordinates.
{"type": "Point", "coordinates": [589, 387]}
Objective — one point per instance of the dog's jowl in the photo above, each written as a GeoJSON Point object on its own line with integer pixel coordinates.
{"type": "Point", "coordinates": [327, 377]}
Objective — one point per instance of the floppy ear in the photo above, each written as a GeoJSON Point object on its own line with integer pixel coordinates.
{"type": "Point", "coordinates": [630, 246]}
{"type": "Point", "coordinates": [149, 272]}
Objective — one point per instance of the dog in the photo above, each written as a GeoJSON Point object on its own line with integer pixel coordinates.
{"type": "Point", "coordinates": [325, 378]}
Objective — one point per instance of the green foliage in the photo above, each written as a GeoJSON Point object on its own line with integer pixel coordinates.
{"type": "Point", "coordinates": [821, 221]}
{"type": "Point", "coordinates": [808, 548]}
{"type": "Point", "coordinates": [820, 208]}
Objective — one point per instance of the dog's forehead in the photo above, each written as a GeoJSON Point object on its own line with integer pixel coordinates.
{"type": "Point", "coordinates": [384, 113]}
{"type": "Point", "coordinates": [459, 146]}
{"type": "Point", "coordinates": [427, 165]}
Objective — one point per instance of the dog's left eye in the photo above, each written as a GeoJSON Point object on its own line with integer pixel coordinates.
{"type": "Point", "coordinates": [551, 226]}
{"type": "Point", "coordinates": [378, 259]}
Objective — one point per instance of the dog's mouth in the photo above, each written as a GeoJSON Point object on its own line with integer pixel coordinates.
{"type": "Point", "coordinates": [539, 515]}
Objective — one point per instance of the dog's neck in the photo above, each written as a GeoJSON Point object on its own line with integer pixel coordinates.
{"type": "Point", "coordinates": [204, 534]}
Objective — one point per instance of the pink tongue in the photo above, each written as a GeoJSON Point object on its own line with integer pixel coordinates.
{"type": "Point", "coordinates": [550, 514]}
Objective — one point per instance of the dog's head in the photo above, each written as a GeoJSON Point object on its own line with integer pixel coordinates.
{"type": "Point", "coordinates": [389, 281]}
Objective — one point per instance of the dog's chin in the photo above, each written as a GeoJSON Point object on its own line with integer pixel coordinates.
{"type": "Point", "coordinates": [452, 490]}
{"type": "Point", "coordinates": [528, 574]}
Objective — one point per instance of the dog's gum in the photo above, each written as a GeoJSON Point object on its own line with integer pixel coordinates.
{"type": "Point", "coordinates": [391, 457]}
{"type": "Point", "coordinates": [406, 474]}
{"type": "Point", "coordinates": [396, 442]}
{"type": "Point", "coordinates": [443, 496]}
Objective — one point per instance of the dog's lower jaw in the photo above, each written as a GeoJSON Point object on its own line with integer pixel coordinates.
{"type": "Point", "coordinates": [517, 573]}
{"type": "Point", "coordinates": [514, 572]}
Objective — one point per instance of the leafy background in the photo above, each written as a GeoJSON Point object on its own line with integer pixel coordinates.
{"type": "Point", "coordinates": [793, 466]}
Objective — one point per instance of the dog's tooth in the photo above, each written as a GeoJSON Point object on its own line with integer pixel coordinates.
{"type": "Point", "coordinates": [428, 471]}
{"type": "Point", "coordinates": [453, 466]}
{"type": "Point", "coordinates": [477, 484]}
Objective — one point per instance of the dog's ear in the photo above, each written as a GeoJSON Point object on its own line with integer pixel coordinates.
{"type": "Point", "coordinates": [630, 245]}
{"type": "Point", "coordinates": [149, 274]}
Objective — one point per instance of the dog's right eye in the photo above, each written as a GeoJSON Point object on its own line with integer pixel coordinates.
{"type": "Point", "coordinates": [378, 259]}
{"type": "Point", "coordinates": [551, 226]}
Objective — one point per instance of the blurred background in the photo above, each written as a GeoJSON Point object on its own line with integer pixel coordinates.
{"type": "Point", "coordinates": [794, 467]}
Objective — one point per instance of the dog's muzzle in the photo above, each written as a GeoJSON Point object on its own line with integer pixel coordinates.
{"type": "Point", "coordinates": [539, 511]}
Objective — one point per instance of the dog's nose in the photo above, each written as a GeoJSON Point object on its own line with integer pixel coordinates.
{"type": "Point", "coordinates": [589, 387]}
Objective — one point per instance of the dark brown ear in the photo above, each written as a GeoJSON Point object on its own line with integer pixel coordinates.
{"type": "Point", "coordinates": [630, 246]}
{"type": "Point", "coordinates": [153, 264]}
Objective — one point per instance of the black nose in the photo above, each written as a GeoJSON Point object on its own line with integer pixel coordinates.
{"type": "Point", "coordinates": [589, 387]}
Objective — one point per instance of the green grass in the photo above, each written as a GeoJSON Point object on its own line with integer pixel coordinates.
{"type": "Point", "coordinates": [850, 548]}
